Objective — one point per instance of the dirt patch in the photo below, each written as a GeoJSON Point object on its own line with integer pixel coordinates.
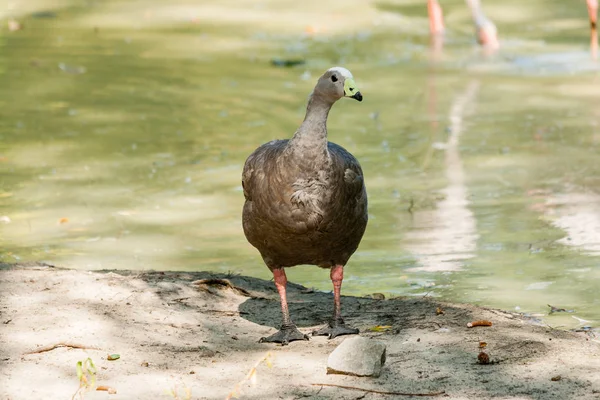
{"type": "Point", "coordinates": [199, 332]}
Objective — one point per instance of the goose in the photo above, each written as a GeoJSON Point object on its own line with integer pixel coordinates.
{"type": "Point", "coordinates": [306, 203]}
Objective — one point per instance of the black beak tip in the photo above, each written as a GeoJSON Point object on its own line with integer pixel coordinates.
{"type": "Point", "coordinates": [357, 96]}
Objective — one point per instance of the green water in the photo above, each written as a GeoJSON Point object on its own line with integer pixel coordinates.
{"type": "Point", "coordinates": [124, 127]}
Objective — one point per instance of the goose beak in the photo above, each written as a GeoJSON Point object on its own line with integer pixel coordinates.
{"type": "Point", "coordinates": [350, 89]}
{"type": "Point", "coordinates": [357, 96]}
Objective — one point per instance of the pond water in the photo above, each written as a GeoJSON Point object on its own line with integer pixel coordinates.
{"type": "Point", "coordinates": [124, 127]}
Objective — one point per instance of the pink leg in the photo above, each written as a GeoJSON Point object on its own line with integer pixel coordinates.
{"type": "Point", "coordinates": [592, 6]}
{"type": "Point", "coordinates": [280, 284]}
{"type": "Point", "coordinates": [337, 276]}
{"type": "Point", "coordinates": [487, 35]}
{"type": "Point", "coordinates": [336, 326]}
{"type": "Point", "coordinates": [288, 331]}
{"type": "Point", "coordinates": [436, 17]}
{"type": "Point", "coordinates": [486, 32]}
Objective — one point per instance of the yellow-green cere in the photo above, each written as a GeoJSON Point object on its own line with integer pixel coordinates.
{"type": "Point", "coordinates": [350, 88]}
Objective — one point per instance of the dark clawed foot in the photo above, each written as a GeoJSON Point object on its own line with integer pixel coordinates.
{"type": "Point", "coordinates": [334, 329]}
{"type": "Point", "coordinates": [285, 335]}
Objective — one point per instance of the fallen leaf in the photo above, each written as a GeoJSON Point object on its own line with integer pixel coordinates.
{"type": "Point", "coordinates": [63, 220]}
{"type": "Point", "coordinates": [439, 311]}
{"type": "Point", "coordinates": [556, 378]}
{"type": "Point", "coordinates": [482, 345]}
{"type": "Point", "coordinates": [479, 323]}
{"type": "Point", "coordinates": [108, 389]}
{"type": "Point", "coordinates": [380, 328]}
{"type": "Point", "coordinates": [268, 361]}
{"type": "Point", "coordinates": [112, 357]}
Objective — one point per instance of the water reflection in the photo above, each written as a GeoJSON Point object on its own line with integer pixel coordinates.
{"type": "Point", "coordinates": [578, 214]}
{"type": "Point", "coordinates": [443, 238]}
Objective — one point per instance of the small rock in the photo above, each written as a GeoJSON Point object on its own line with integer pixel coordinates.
{"type": "Point", "coordinates": [357, 356]}
{"type": "Point", "coordinates": [145, 364]}
{"type": "Point", "coordinates": [556, 378]}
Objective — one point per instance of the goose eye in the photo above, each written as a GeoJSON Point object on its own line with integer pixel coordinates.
{"type": "Point", "coordinates": [334, 78]}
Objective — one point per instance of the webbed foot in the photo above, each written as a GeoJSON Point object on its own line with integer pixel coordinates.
{"type": "Point", "coordinates": [285, 335]}
{"type": "Point", "coordinates": [335, 328]}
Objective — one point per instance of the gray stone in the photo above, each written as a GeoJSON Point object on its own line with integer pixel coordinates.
{"type": "Point", "coordinates": [357, 356]}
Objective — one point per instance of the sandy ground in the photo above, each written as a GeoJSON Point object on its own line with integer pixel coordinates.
{"type": "Point", "coordinates": [176, 335]}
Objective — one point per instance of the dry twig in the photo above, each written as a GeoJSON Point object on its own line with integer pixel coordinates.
{"type": "Point", "coordinates": [431, 394]}
{"type": "Point", "coordinates": [51, 347]}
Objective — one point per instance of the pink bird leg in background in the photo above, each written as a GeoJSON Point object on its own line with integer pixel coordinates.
{"type": "Point", "coordinates": [485, 30]}
{"type": "Point", "coordinates": [592, 6]}
{"type": "Point", "coordinates": [436, 17]}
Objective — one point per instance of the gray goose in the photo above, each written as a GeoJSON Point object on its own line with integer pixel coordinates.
{"type": "Point", "coordinates": [306, 202]}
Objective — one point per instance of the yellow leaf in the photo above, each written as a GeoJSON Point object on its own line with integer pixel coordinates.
{"type": "Point", "coordinates": [268, 360]}
{"type": "Point", "coordinates": [380, 328]}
